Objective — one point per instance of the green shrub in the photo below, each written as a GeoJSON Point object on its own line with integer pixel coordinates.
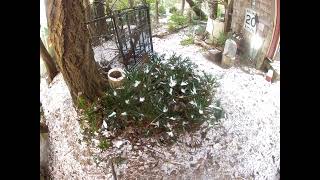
{"type": "Point", "coordinates": [89, 115]}
{"type": "Point", "coordinates": [164, 97]}
{"type": "Point", "coordinates": [176, 21]}
{"type": "Point", "coordinates": [221, 39]}
{"type": "Point", "coordinates": [219, 12]}
{"type": "Point", "coordinates": [172, 27]}
{"type": "Point", "coordinates": [104, 144]}
{"type": "Point", "coordinates": [195, 18]}
{"type": "Point", "coordinates": [162, 9]}
{"type": "Point", "coordinates": [173, 10]}
{"type": "Point", "coordinates": [189, 40]}
{"type": "Point", "coordinates": [199, 30]}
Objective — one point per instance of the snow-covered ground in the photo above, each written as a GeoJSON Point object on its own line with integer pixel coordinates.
{"type": "Point", "coordinates": [244, 145]}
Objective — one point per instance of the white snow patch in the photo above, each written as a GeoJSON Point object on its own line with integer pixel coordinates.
{"type": "Point", "coordinates": [245, 144]}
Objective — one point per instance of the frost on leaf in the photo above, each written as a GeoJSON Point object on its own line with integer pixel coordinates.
{"type": "Point", "coordinates": [112, 114]}
{"type": "Point", "coordinates": [184, 83]}
{"type": "Point", "coordinates": [194, 91]}
{"type": "Point", "coordinates": [169, 126]}
{"type": "Point", "coordinates": [146, 70]}
{"type": "Point", "coordinates": [172, 82]}
{"type": "Point", "coordinates": [105, 124]}
{"type": "Point", "coordinates": [193, 103]}
{"type": "Point", "coordinates": [141, 99]}
{"type": "Point", "coordinates": [156, 124]}
{"type": "Point", "coordinates": [136, 83]}
{"type": "Point", "coordinates": [165, 109]}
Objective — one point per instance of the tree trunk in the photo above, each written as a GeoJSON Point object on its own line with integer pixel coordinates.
{"type": "Point", "coordinates": [89, 14]}
{"type": "Point", "coordinates": [131, 3]}
{"type": "Point", "coordinates": [108, 8]}
{"type": "Point", "coordinates": [101, 24]}
{"type": "Point", "coordinates": [213, 6]}
{"type": "Point", "coordinates": [189, 14]}
{"type": "Point", "coordinates": [48, 61]}
{"type": "Point", "coordinates": [157, 11]}
{"type": "Point", "coordinates": [182, 6]}
{"type": "Point", "coordinates": [75, 58]}
{"type": "Point", "coordinates": [196, 9]}
{"type": "Point", "coordinates": [228, 15]}
{"type": "Point", "coordinates": [86, 5]}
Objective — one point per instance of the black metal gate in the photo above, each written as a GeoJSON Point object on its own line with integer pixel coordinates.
{"type": "Point", "coordinates": [130, 29]}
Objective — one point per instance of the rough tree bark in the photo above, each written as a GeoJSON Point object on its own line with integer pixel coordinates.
{"type": "Point", "coordinates": [108, 8]}
{"type": "Point", "coordinates": [182, 6]}
{"type": "Point", "coordinates": [48, 61]}
{"type": "Point", "coordinates": [131, 3]}
{"type": "Point", "coordinates": [89, 16]}
{"type": "Point", "coordinates": [157, 11]}
{"type": "Point", "coordinates": [86, 5]}
{"type": "Point", "coordinates": [196, 9]}
{"type": "Point", "coordinates": [228, 15]}
{"type": "Point", "coordinates": [101, 24]}
{"type": "Point", "coordinates": [213, 6]}
{"type": "Point", "coordinates": [71, 42]}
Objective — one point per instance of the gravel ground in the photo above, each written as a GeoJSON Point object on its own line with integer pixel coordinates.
{"type": "Point", "coordinates": [243, 145]}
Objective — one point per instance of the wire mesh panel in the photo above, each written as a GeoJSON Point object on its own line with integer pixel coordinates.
{"type": "Point", "coordinates": [101, 29]}
{"type": "Point", "coordinates": [133, 31]}
{"type": "Point", "coordinates": [103, 40]}
{"type": "Point", "coordinates": [123, 36]}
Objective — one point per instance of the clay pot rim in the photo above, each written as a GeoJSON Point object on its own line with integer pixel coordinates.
{"type": "Point", "coordinates": [114, 70]}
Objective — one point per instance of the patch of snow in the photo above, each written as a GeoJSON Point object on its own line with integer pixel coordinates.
{"type": "Point", "coordinates": [68, 159]}
{"type": "Point", "coordinates": [105, 52]}
{"type": "Point", "coordinates": [243, 145]}
{"type": "Point", "coordinates": [118, 143]}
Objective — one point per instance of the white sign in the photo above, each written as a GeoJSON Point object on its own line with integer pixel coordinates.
{"type": "Point", "coordinates": [250, 21]}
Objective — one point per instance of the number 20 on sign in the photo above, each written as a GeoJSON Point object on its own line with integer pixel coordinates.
{"type": "Point", "coordinates": [250, 21]}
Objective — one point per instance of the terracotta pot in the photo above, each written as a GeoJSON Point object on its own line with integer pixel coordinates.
{"type": "Point", "coordinates": [115, 77]}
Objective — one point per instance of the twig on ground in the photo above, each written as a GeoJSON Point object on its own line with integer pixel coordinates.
{"type": "Point", "coordinates": [113, 171]}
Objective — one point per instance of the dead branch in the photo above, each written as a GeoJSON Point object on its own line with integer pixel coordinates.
{"type": "Point", "coordinates": [203, 44]}
{"type": "Point", "coordinates": [113, 171]}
